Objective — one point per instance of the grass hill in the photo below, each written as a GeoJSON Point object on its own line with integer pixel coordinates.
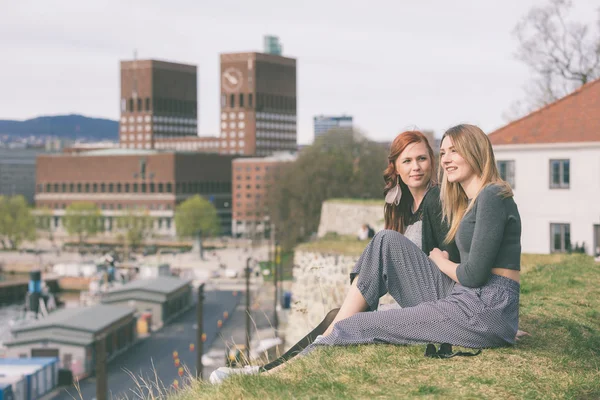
{"type": "Point", "coordinates": [560, 308]}
{"type": "Point", "coordinates": [63, 126]}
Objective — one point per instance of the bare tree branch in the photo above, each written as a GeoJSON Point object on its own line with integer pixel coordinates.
{"type": "Point", "coordinates": [563, 54]}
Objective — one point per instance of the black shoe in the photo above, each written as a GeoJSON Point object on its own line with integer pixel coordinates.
{"type": "Point", "coordinates": [445, 351]}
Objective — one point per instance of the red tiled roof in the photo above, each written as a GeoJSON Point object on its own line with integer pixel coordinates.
{"type": "Point", "coordinates": [574, 118]}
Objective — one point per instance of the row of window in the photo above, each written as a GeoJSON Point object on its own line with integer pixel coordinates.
{"type": "Point", "coordinates": [232, 115]}
{"type": "Point", "coordinates": [232, 134]}
{"type": "Point", "coordinates": [140, 136]}
{"type": "Point", "coordinates": [159, 128]}
{"type": "Point", "coordinates": [260, 116]}
{"type": "Point", "coordinates": [276, 125]}
{"type": "Point", "coordinates": [266, 101]}
{"type": "Point", "coordinates": [159, 104]}
{"type": "Point", "coordinates": [560, 173]}
{"type": "Point", "coordinates": [187, 145]}
{"type": "Point", "coordinates": [233, 125]}
{"type": "Point", "coordinates": [276, 135]}
{"type": "Point", "coordinates": [159, 119]}
{"type": "Point", "coordinates": [107, 222]}
{"type": "Point", "coordinates": [257, 177]}
{"type": "Point", "coordinates": [240, 214]}
{"type": "Point", "coordinates": [275, 117]}
{"type": "Point", "coordinates": [274, 144]}
{"type": "Point", "coordinates": [248, 204]}
{"type": "Point", "coordinates": [248, 196]}
{"type": "Point", "coordinates": [249, 168]}
{"type": "Point", "coordinates": [257, 186]}
{"type": "Point", "coordinates": [111, 206]}
{"type": "Point", "coordinates": [180, 187]}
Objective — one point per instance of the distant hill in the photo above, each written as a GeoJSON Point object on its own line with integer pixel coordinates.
{"type": "Point", "coordinates": [63, 126]}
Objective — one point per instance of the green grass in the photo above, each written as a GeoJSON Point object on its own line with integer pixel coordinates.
{"type": "Point", "coordinates": [335, 244]}
{"type": "Point", "coordinates": [560, 304]}
{"type": "Point", "coordinates": [287, 264]}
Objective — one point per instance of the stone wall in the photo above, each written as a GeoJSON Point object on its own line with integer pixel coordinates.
{"type": "Point", "coordinates": [345, 218]}
{"type": "Point", "coordinates": [321, 282]}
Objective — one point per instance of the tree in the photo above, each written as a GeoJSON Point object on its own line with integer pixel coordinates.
{"type": "Point", "coordinates": [339, 164]}
{"type": "Point", "coordinates": [82, 219]}
{"type": "Point", "coordinates": [137, 226]}
{"type": "Point", "coordinates": [16, 222]}
{"type": "Point", "coordinates": [43, 221]}
{"type": "Point", "coordinates": [194, 215]}
{"type": "Point", "coordinates": [563, 54]}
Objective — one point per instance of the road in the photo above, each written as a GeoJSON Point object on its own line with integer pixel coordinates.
{"type": "Point", "coordinates": [155, 353]}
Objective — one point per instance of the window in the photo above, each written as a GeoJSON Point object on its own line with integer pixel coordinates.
{"type": "Point", "coordinates": [507, 171]}
{"type": "Point", "coordinates": [139, 104]}
{"type": "Point", "coordinates": [118, 188]}
{"type": "Point", "coordinates": [241, 99]}
{"type": "Point", "coordinates": [102, 188]}
{"type": "Point", "coordinates": [232, 100]}
{"type": "Point", "coordinates": [250, 100]}
{"type": "Point", "coordinates": [560, 238]}
{"type": "Point", "coordinates": [64, 187]}
{"type": "Point", "coordinates": [111, 187]}
{"type": "Point", "coordinates": [160, 188]}
{"type": "Point", "coordinates": [56, 188]}
{"type": "Point", "coordinates": [559, 174]}
{"type": "Point", "coordinates": [169, 188]}
{"type": "Point", "coordinates": [87, 187]}
{"type": "Point", "coordinates": [135, 188]}
{"type": "Point", "coordinates": [131, 105]}
{"type": "Point", "coordinates": [147, 103]}
{"type": "Point", "coordinates": [71, 187]}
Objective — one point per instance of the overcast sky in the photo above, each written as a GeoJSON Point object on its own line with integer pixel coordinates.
{"type": "Point", "coordinates": [392, 64]}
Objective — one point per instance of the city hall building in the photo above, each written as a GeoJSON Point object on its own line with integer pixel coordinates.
{"type": "Point", "coordinates": [120, 180]}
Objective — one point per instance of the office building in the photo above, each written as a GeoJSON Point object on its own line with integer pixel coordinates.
{"type": "Point", "coordinates": [250, 181]}
{"type": "Point", "coordinates": [17, 172]}
{"type": "Point", "coordinates": [158, 102]}
{"type": "Point", "coordinates": [324, 123]}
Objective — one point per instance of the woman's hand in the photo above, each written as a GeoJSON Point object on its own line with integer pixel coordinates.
{"type": "Point", "coordinates": [442, 260]}
{"type": "Point", "coordinates": [437, 253]}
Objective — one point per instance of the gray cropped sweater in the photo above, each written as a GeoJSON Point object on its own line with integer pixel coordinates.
{"type": "Point", "coordinates": [489, 236]}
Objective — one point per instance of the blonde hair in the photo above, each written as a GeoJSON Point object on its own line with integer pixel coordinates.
{"type": "Point", "coordinates": [475, 147]}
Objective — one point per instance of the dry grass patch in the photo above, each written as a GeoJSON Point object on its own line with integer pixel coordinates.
{"type": "Point", "coordinates": [560, 300]}
{"type": "Point", "coordinates": [335, 244]}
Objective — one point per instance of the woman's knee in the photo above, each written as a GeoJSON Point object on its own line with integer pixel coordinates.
{"type": "Point", "coordinates": [387, 236]}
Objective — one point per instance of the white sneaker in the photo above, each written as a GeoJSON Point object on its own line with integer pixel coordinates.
{"type": "Point", "coordinates": [220, 374]}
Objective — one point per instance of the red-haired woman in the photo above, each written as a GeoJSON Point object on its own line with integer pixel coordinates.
{"type": "Point", "coordinates": [412, 211]}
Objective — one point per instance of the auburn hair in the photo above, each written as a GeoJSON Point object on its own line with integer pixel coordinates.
{"type": "Point", "coordinates": [396, 216]}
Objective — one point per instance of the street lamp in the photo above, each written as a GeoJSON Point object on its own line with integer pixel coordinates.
{"type": "Point", "coordinates": [248, 271]}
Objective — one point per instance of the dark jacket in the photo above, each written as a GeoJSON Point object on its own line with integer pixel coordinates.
{"type": "Point", "coordinates": [434, 229]}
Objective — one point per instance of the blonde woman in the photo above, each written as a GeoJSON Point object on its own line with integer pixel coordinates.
{"type": "Point", "coordinates": [476, 301]}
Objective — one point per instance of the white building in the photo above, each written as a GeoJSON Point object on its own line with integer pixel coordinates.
{"type": "Point", "coordinates": [551, 158]}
